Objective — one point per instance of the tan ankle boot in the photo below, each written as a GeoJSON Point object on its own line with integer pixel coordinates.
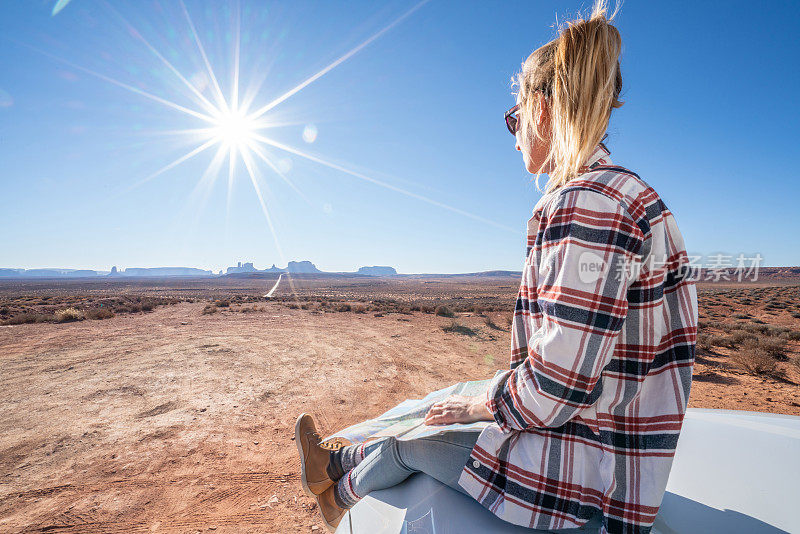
{"type": "Point", "coordinates": [331, 513]}
{"type": "Point", "coordinates": [313, 458]}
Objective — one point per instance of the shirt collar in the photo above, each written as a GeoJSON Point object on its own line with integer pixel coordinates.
{"type": "Point", "coordinates": [599, 156]}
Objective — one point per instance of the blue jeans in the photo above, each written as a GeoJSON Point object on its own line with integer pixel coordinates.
{"type": "Point", "coordinates": [389, 461]}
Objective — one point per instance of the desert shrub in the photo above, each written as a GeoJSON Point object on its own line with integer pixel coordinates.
{"type": "Point", "coordinates": [490, 323]}
{"type": "Point", "coordinates": [731, 341]}
{"type": "Point", "coordinates": [755, 360]}
{"type": "Point", "coordinates": [427, 309]}
{"type": "Point", "coordinates": [69, 314]}
{"type": "Point", "coordinates": [776, 330]}
{"type": "Point", "coordinates": [458, 328]}
{"type": "Point", "coordinates": [756, 328]}
{"type": "Point", "coordinates": [704, 342]}
{"type": "Point", "coordinates": [726, 327]}
{"type": "Point", "coordinates": [209, 309]}
{"type": "Point", "coordinates": [717, 341]}
{"type": "Point", "coordinates": [444, 311]}
{"type": "Point", "coordinates": [147, 306]}
{"type": "Point", "coordinates": [774, 347]}
{"type": "Point", "coordinates": [737, 338]}
{"type": "Point", "coordinates": [791, 335]}
{"type": "Point", "coordinates": [27, 318]}
{"type": "Point", "coordinates": [344, 307]}
{"type": "Point", "coordinates": [360, 308]}
{"type": "Point", "coordinates": [4, 310]}
{"type": "Point", "coordinates": [99, 314]}
{"type": "Point", "coordinates": [796, 315]}
{"type": "Point", "coordinates": [223, 304]}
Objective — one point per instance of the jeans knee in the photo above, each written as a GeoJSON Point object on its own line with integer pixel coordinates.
{"type": "Point", "coordinates": [395, 447]}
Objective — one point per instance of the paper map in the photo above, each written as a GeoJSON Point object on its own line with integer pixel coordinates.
{"type": "Point", "coordinates": [406, 420]}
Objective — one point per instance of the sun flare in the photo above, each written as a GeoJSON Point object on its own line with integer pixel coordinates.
{"type": "Point", "coordinates": [234, 129]}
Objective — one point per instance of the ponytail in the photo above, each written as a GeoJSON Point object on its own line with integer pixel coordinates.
{"type": "Point", "coordinates": [578, 74]}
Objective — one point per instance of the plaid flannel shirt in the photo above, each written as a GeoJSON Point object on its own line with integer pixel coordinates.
{"type": "Point", "coordinates": [588, 416]}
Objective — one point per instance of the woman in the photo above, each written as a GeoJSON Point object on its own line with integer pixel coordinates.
{"type": "Point", "coordinates": [589, 413]}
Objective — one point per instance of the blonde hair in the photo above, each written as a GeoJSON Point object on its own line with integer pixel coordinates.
{"type": "Point", "coordinates": [578, 74]}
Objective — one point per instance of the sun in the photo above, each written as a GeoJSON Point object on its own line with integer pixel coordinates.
{"type": "Point", "coordinates": [235, 130]}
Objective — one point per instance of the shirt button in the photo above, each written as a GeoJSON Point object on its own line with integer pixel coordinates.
{"type": "Point", "coordinates": [476, 464]}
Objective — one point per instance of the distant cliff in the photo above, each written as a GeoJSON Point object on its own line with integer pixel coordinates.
{"type": "Point", "coordinates": [378, 270]}
{"type": "Point", "coordinates": [164, 271]}
{"type": "Point", "coordinates": [305, 267]}
{"type": "Point", "coordinates": [302, 267]}
{"type": "Point", "coordinates": [242, 268]}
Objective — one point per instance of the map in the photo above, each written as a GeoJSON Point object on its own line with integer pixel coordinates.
{"type": "Point", "coordinates": [406, 420]}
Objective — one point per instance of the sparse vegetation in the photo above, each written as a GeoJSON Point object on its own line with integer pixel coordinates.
{"type": "Point", "coordinates": [28, 318]}
{"type": "Point", "coordinates": [209, 309]}
{"type": "Point", "coordinates": [756, 360]}
{"type": "Point", "coordinates": [774, 347]}
{"type": "Point", "coordinates": [68, 315]}
{"type": "Point", "coordinates": [99, 313]}
{"type": "Point", "coordinates": [458, 328]}
{"type": "Point", "coordinates": [490, 323]}
{"type": "Point", "coordinates": [444, 311]}
{"type": "Point", "coordinates": [704, 342]}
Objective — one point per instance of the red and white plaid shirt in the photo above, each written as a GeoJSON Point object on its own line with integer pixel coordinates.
{"type": "Point", "coordinates": [603, 338]}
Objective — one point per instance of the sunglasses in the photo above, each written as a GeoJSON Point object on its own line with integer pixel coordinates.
{"type": "Point", "coordinates": [512, 119]}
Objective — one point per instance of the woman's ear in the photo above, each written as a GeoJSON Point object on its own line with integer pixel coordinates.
{"type": "Point", "coordinates": [542, 112]}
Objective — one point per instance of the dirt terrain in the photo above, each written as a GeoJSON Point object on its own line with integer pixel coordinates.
{"type": "Point", "coordinates": [180, 418]}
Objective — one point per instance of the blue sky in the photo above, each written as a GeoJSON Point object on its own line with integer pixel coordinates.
{"type": "Point", "coordinates": [709, 121]}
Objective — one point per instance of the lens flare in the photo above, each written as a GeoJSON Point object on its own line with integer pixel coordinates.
{"type": "Point", "coordinates": [310, 133]}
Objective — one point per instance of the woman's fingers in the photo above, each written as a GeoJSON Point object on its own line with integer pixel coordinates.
{"type": "Point", "coordinates": [437, 420]}
{"type": "Point", "coordinates": [441, 416]}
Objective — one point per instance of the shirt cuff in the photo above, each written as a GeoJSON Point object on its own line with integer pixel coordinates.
{"type": "Point", "coordinates": [493, 393]}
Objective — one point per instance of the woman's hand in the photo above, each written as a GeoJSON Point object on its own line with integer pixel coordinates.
{"type": "Point", "coordinates": [458, 409]}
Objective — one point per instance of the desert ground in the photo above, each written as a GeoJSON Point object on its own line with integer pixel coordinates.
{"type": "Point", "coordinates": [169, 406]}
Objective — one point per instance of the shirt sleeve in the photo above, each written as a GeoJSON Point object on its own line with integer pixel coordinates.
{"type": "Point", "coordinates": [584, 270]}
